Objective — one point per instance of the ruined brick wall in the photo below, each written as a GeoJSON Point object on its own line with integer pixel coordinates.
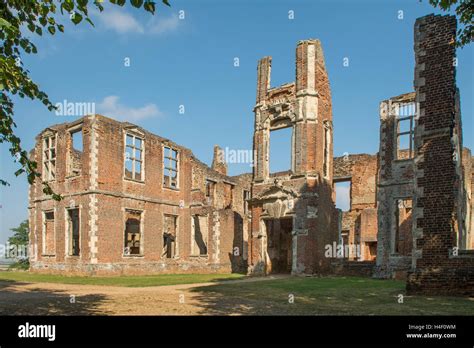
{"type": "Point", "coordinates": [243, 217]}
{"type": "Point", "coordinates": [467, 240]}
{"type": "Point", "coordinates": [396, 193]}
{"type": "Point", "coordinates": [304, 193]}
{"type": "Point", "coordinates": [470, 240]}
{"type": "Point", "coordinates": [43, 250]}
{"type": "Point", "coordinates": [107, 199]}
{"type": "Point", "coordinates": [436, 269]}
{"type": "Point", "coordinates": [394, 185]}
{"type": "Point", "coordinates": [218, 161]}
{"type": "Point", "coordinates": [367, 236]}
{"type": "Point", "coordinates": [361, 220]}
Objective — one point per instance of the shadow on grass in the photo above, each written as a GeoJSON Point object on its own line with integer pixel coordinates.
{"type": "Point", "coordinates": [15, 299]}
{"type": "Point", "coordinates": [125, 281]}
{"type": "Point", "coordinates": [252, 297]}
{"type": "Point", "coordinates": [323, 296]}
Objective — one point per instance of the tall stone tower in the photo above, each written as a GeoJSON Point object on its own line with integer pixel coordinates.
{"type": "Point", "coordinates": [293, 214]}
{"type": "Point", "coordinates": [440, 262]}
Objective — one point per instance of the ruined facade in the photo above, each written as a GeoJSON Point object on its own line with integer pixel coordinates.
{"type": "Point", "coordinates": [293, 213]}
{"type": "Point", "coordinates": [396, 185]}
{"type": "Point", "coordinates": [138, 203]}
{"type": "Point", "coordinates": [133, 202]}
{"type": "Point", "coordinates": [358, 225]}
{"type": "Point", "coordinates": [425, 174]}
{"type": "Point", "coordinates": [440, 261]}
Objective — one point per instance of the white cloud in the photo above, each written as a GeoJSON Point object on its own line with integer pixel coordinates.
{"type": "Point", "coordinates": [111, 107]}
{"type": "Point", "coordinates": [162, 25]}
{"type": "Point", "coordinates": [120, 21]}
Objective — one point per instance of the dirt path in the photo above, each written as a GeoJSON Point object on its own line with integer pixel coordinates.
{"type": "Point", "coordinates": [68, 299]}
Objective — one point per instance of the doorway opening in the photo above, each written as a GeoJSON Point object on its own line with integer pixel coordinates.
{"type": "Point", "coordinates": [279, 245]}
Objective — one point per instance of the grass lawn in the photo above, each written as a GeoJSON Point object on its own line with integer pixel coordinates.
{"type": "Point", "coordinates": [328, 296]}
{"type": "Point", "coordinates": [128, 281]}
{"type": "Point", "coordinates": [312, 295]}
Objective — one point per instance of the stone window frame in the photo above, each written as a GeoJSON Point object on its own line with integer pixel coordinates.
{"type": "Point", "coordinates": [275, 125]}
{"type": "Point", "coordinates": [176, 243]}
{"type": "Point", "coordinates": [412, 117]}
{"type": "Point", "coordinates": [327, 128]}
{"type": "Point", "coordinates": [395, 224]}
{"type": "Point", "coordinates": [344, 179]}
{"type": "Point", "coordinates": [345, 233]}
{"type": "Point", "coordinates": [232, 194]}
{"type": "Point", "coordinates": [192, 253]}
{"type": "Point", "coordinates": [70, 132]}
{"type": "Point", "coordinates": [142, 232]}
{"type": "Point", "coordinates": [170, 169]}
{"type": "Point", "coordinates": [210, 185]}
{"type": "Point", "coordinates": [43, 233]}
{"type": "Point", "coordinates": [140, 135]}
{"type": "Point", "coordinates": [68, 239]}
{"type": "Point", "coordinates": [49, 175]}
{"type": "Point", "coordinates": [246, 194]}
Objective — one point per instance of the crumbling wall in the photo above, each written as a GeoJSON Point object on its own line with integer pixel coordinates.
{"type": "Point", "coordinates": [395, 184]}
{"type": "Point", "coordinates": [467, 240]}
{"type": "Point", "coordinates": [361, 220]}
{"type": "Point", "coordinates": [304, 193]}
{"type": "Point", "coordinates": [438, 266]}
{"type": "Point", "coordinates": [46, 250]}
{"type": "Point", "coordinates": [106, 198]}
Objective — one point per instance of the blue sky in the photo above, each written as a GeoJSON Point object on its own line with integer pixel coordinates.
{"type": "Point", "coordinates": [190, 62]}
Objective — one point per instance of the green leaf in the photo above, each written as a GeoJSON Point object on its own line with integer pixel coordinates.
{"type": "Point", "coordinates": [149, 6]}
{"type": "Point", "coordinates": [166, 2]}
{"type": "Point", "coordinates": [52, 30]}
{"type": "Point", "coordinates": [76, 18]}
{"type": "Point", "coordinates": [68, 5]}
{"type": "Point", "coordinates": [89, 20]}
{"type": "Point", "coordinates": [99, 5]}
{"type": "Point", "coordinates": [136, 3]}
{"type": "Point", "coordinates": [4, 23]}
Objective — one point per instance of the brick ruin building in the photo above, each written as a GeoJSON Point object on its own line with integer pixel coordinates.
{"type": "Point", "coordinates": [293, 212]}
{"type": "Point", "coordinates": [424, 191]}
{"type": "Point", "coordinates": [133, 202]}
{"type": "Point", "coordinates": [441, 261]}
{"type": "Point", "coordinates": [138, 203]}
{"type": "Point", "coordinates": [358, 225]}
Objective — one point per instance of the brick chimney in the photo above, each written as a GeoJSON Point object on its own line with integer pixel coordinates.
{"type": "Point", "coordinates": [218, 161]}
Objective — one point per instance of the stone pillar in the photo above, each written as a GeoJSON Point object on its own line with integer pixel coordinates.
{"type": "Point", "coordinates": [263, 78]}
{"type": "Point", "coordinates": [313, 122]}
{"type": "Point", "coordinates": [306, 105]}
{"type": "Point", "coordinates": [260, 139]}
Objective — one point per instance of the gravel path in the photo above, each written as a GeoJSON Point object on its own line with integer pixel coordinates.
{"type": "Point", "coordinates": [69, 299]}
